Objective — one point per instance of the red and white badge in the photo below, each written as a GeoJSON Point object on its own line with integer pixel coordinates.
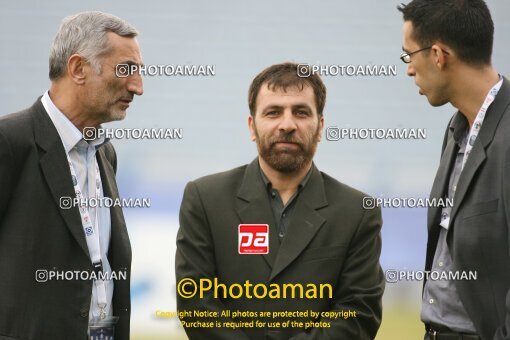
{"type": "Point", "coordinates": [253, 238]}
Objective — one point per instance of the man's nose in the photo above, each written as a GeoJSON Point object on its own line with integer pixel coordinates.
{"type": "Point", "coordinates": [410, 70]}
{"type": "Point", "coordinates": [135, 84]}
{"type": "Point", "coordinates": [288, 121]}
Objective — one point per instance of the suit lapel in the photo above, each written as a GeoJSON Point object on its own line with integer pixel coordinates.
{"type": "Point", "coordinates": [475, 160]}
{"type": "Point", "coordinates": [56, 171]}
{"type": "Point", "coordinates": [254, 207]}
{"type": "Point", "coordinates": [478, 155]}
{"type": "Point", "coordinates": [438, 191]}
{"type": "Point", "coordinates": [305, 223]}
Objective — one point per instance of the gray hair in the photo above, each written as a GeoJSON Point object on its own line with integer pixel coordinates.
{"type": "Point", "coordinates": [85, 34]}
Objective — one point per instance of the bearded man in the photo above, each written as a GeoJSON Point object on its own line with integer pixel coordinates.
{"type": "Point", "coordinates": [277, 249]}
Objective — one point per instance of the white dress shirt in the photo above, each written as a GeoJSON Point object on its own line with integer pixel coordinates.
{"type": "Point", "coordinates": [83, 155]}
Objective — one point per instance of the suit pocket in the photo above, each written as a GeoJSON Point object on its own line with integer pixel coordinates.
{"type": "Point", "coordinates": [322, 253]}
{"type": "Point", "coordinates": [480, 208]}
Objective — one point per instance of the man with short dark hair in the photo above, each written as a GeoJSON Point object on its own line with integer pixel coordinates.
{"type": "Point", "coordinates": [279, 224]}
{"type": "Point", "coordinates": [448, 47]}
{"type": "Point", "coordinates": [58, 259]}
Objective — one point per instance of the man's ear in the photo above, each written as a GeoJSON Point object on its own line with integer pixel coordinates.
{"type": "Point", "coordinates": [251, 126]}
{"type": "Point", "coordinates": [76, 71]}
{"type": "Point", "coordinates": [441, 54]}
{"type": "Point", "coordinates": [321, 128]}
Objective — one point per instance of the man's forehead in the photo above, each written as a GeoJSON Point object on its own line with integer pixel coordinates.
{"type": "Point", "coordinates": [289, 97]}
{"type": "Point", "coordinates": [408, 36]}
{"type": "Point", "coordinates": [296, 91]}
{"type": "Point", "coordinates": [408, 32]}
{"type": "Point", "coordinates": [123, 47]}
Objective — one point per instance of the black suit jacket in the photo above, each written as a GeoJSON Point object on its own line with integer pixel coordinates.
{"type": "Point", "coordinates": [479, 234]}
{"type": "Point", "coordinates": [331, 239]}
{"type": "Point", "coordinates": [35, 233]}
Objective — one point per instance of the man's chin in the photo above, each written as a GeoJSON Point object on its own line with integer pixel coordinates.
{"type": "Point", "coordinates": [285, 168]}
{"type": "Point", "coordinates": [117, 115]}
{"type": "Point", "coordinates": [435, 102]}
{"type": "Point", "coordinates": [285, 162]}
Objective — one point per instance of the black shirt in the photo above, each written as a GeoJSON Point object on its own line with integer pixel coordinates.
{"type": "Point", "coordinates": [283, 213]}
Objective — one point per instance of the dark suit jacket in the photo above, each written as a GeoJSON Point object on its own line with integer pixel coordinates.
{"type": "Point", "coordinates": [479, 234]}
{"type": "Point", "coordinates": [35, 233]}
{"type": "Point", "coordinates": [331, 239]}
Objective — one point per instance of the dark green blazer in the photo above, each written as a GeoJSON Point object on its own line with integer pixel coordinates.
{"type": "Point", "coordinates": [331, 239]}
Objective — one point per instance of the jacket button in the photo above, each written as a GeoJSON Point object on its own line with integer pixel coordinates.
{"type": "Point", "coordinates": [84, 312]}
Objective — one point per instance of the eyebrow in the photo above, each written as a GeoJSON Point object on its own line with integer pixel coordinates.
{"type": "Point", "coordinates": [132, 62]}
{"type": "Point", "coordinates": [304, 106]}
{"type": "Point", "coordinates": [272, 107]}
{"type": "Point", "coordinates": [295, 106]}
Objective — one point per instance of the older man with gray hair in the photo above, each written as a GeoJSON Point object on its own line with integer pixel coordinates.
{"type": "Point", "coordinates": [66, 265]}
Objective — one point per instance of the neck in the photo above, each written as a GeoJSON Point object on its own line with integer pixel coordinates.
{"type": "Point", "coordinates": [472, 88]}
{"type": "Point", "coordinates": [68, 102]}
{"type": "Point", "coordinates": [284, 182]}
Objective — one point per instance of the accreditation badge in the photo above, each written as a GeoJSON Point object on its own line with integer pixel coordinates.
{"type": "Point", "coordinates": [103, 329]}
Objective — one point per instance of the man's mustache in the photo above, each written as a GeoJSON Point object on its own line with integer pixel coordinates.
{"type": "Point", "coordinates": [286, 139]}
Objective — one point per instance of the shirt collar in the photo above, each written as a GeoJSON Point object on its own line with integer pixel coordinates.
{"type": "Point", "coordinates": [459, 127]}
{"type": "Point", "coordinates": [70, 135]}
{"type": "Point", "coordinates": [269, 185]}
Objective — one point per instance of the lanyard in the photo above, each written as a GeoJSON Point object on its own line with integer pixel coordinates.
{"type": "Point", "coordinates": [91, 233]}
{"type": "Point", "coordinates": [473, 134]}
{"type": "Point", "coordinates": [477, 124]}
